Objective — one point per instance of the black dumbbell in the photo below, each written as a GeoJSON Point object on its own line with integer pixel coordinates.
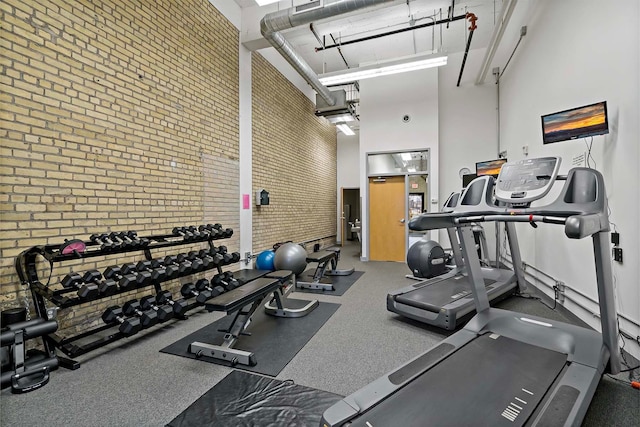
{"type": "Point", "coordinates": [105, 287]}
{"type": "Point", "coordinates": [171, 271]}
{"type": "Point", "coordinates": [179, 306]}
{"type": "Point", "coordinates": [226, 256]}
{"type": "Point", "coordinates": [206, 291]}
{"type": "Point", "coordinates": [160, 273]}
{"type": "Point", "coordinates": [213, 254]}
{"type": "Point", "coordinates": [126, 281]}
{"type": "Point", "coordinates": [214, 233]}
{"type": "Point", "coordinates": [137, 241]}
{"type": "Point", "coordinates": [115, 244]}
{"type": "Point", "coordinates": [196, 262]}
{"type": "Point", "coordinates": [164, 312]}
{"type": "Point", "coordinates": [183, 232]}
{"type": "Point", "coordinates": [122, 239]}
{"type": "Point", "coordinates": [143, 278]}
{"type": "Point", "coordinates": [183, 267]}
{"type": "Point", "coordinates": [128, 325]}
{"type": "Point", "coordinates": [188, 290]}
{"type": "Point", "coordinates": [148, 318]}
{"type": "Point", "coordinates": [86, 291]}
{"type": "Point", "coordinates": [198, 234]}
{"type": "Point", "coordinates": [200, 262]}
{"type": "Point", "coordinates": [104, 245]}
{"type": "Point", "coordinates": [224, 232]}
{"type": "Point", "coordinates": [226, 281]}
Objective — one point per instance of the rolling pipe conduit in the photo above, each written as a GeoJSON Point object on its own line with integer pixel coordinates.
{"type": "Point", "coordinates": [273, 23]}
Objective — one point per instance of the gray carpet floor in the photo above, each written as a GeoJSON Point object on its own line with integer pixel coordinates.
{"type": "Point", "coordinates": [130, 383]}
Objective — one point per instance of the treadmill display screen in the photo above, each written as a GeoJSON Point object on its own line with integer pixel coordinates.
{"type": "Point", "coordinates": [526, 180]}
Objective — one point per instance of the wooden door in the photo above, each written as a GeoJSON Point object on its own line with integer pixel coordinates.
{"type": "Point", "coordinates": [387, 222]}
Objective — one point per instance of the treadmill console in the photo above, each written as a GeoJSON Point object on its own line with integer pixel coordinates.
{"type": "Point", "coordinates": [526, 180]}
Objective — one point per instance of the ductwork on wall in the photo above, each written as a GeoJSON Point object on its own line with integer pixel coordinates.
{"type": "Point", "coordinates": [328, 103]}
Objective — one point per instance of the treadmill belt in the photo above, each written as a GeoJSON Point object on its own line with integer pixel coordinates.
{"type": "Point", "coordinates": [488, 382]}
{"type": "Point", "coordinates": [437, 295]}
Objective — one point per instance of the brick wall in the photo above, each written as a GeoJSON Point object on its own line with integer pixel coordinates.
{"type": "Point", "coordinates": [294, 158]}
{"type": "Point", "coordinates": [115, 115]}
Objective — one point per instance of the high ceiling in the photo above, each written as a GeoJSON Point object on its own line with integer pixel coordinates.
{"type": "Point", "coordinates": [399, 15]}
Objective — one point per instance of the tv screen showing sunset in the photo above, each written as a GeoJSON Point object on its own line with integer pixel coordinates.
{"type": "Point", "coordinates": [576, 123]}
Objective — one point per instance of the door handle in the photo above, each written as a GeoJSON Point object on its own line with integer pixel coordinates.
{"type": "Point", "coordinates": [402, 221]}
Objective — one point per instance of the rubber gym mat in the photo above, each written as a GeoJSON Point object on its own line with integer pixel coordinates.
{"type": "Point", "coordinates": [341, 284]}
{"type": "Point", "coordinates": [273, 340]}
{"type": "Point", "coordinates": [244, 399]}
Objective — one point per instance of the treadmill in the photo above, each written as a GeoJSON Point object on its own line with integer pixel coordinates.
{"type": "Point", "coordinates": [446, 301]}
{"type": "Point", "coordinates": [506, 368]}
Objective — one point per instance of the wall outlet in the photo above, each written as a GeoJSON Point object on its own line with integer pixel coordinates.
{"type": "Point", "coordinates": [617, 255]}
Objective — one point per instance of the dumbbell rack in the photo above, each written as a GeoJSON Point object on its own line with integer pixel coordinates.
{"type": "Point", "coordinates": [26, 267]}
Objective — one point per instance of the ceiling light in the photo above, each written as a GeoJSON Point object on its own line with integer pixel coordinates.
{"type": "Point", "coordinates": [384, 68]}
{"type": "Point", "coordinates": [405, 156]}
{"type": "Point", "coordinates": [266, 2]}
{"type": "Point", "coordinates": [341, 118]}
{"type": "Point", "coordinates": [411, 169]}
{"type": "Point", "coordinates": [345, 129]}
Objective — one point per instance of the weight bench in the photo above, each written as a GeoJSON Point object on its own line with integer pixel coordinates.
{"type": "Point", "coordinates": [244, 301]}
{"type": "Point", "coordinates": [325, 259]}
{"type": "Point", "coordinates": [279, 298]}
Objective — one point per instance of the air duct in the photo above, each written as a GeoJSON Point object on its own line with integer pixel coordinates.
{"type": "Point", "coordinates": [273, 23]}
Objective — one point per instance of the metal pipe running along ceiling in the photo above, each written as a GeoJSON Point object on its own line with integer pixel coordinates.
{"type": "Point", "coordinates": [273, 23]}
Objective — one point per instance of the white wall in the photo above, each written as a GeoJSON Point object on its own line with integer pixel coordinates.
{"type": "Point", "coordinates": [575, 53]}
{"type": "Point", "coordinates": [383, 103]}
{"type": "Point", "coordinates": [348, 170]}
{"type": "Point", "coordinates": [468, 126]}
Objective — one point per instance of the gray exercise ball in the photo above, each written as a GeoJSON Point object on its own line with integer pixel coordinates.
{"type": "Point", "coordinates": [291, 256]}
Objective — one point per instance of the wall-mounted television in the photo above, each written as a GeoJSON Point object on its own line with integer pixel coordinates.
{"type": "Point", "coordinates": [490, 167]}
{"type": "Point", "coordinates": [580, 122]}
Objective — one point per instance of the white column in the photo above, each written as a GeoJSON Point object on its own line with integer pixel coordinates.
{"type": "Point", "coordinates": [246, 185]}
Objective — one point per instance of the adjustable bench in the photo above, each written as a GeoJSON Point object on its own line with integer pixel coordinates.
{"type": "Point", "coordinates": [279, 298]}
{"type": "Point", "coordinates": [324, 259]}
{"type": "Point", "coordinates": [244, 301]}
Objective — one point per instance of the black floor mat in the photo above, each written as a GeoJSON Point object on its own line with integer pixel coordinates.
{"type": "Point", "coordinates": [244, 399]}
{"type": "Point", "coordinates": [341, 284]}
{"type": "Point", "coordinates": [274, 340]}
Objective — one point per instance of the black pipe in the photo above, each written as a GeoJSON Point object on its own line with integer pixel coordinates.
{"type": "Point", "coordinates": [402, 30]}
{"type": "Point", "coordinates": [464, 58]}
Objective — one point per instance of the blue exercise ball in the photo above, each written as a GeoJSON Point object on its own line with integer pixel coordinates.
{"type": "Point", "coordinates": [264, 261]}
{"type": "Point", "coordinates": [291, 256]}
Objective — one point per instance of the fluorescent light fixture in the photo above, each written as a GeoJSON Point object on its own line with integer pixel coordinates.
{"type": "Point", "coordinates": [405, 156]}
{"type": "Point", "coordinates": [345, 129]}
{"type": "Point", "coordinates": [266, 2]}
{"type": "Point", "coordinates": [341, 118]}
{"type": "Point", "coordinates": [384, 68]}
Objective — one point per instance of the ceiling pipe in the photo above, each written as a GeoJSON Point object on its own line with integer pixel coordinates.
{"type": "Point", "coordinates": [498, 31]}
{"type": "Point", "coordinates": [390, 33]}
{"type": "Point", "coordinates": [273, 23]}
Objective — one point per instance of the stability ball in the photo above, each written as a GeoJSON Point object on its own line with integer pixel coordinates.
{"type": "Point", "coordinates": [264, 261]}
{"type": "Point", "coordinates": [291, 256]}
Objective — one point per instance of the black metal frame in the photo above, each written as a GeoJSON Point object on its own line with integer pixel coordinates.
{"type": "Point", "coordinates": [25, 265]}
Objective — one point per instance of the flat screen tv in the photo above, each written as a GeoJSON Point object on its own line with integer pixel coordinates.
{"type": "Point", "coordinates": [490, 167]}
{"type": "Point", "coordinates": [581, 122]}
